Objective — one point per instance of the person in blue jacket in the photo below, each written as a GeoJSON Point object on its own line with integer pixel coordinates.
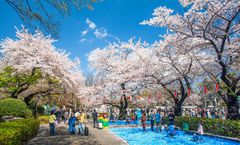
{"type": "Point", "coordinates": [71, 124]}
{"type": "Point", "coordinates": [171, 118]}
{"type": "Point", "coordinates": [152, 117]}
{"type": "Point", "coordinates": [158, 119]}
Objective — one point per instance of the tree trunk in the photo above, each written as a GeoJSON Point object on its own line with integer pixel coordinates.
{"type": "Point", "coordinates": [123, 108]}
{"type": "Point", "coordinates": [122, 113]}
{"type": "Point", "coordinates": [35, 107]}
{"type": "Point", "coordinates": [123, 104]}
{"type": "Point", "coordinates": [232, 108]}
{"type": "Point", "coordinates": [28, 99]}
{"type": "Point", "coordinates": [178, 109]}
{"type": "Point", "coordinates": [13, 95]}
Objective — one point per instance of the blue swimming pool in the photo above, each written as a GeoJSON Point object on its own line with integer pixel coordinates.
{"type": "Point", "coordinates": [135, 136]}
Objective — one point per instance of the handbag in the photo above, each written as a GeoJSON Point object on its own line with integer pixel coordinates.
{"type": "Point", "coordinates": [55, 123]}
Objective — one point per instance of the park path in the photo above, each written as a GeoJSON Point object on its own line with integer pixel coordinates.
{"type": "Point", "coordinates": [96, 137]}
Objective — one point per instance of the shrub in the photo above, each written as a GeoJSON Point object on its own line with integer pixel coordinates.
{"type": "Point", "coordinates": [230, 128]}
{"type": "Point", "coordinates": [17, 131]}
{"type": "Point", "coordinates": [43, 119]}
{"type": "Point", "coordinates": [14, 107]}
{"type": "Point", "coordinates": [10, 136]}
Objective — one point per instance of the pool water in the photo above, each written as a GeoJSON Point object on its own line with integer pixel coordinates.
{"type": "Point", "coordinates": [136, 136]}
{"type": "Point", "coordinates": [122, 122]}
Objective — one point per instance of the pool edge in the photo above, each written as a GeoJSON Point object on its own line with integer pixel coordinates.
{"type": "Point", "coordinates": [118, 137]}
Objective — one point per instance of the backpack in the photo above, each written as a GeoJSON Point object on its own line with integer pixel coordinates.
{"type": "Point", "coordinates": [86, 131]}
{"type": "Point", "coordinates": [51, 119]}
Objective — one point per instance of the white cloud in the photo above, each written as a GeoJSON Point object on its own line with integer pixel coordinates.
{"type": "Point", "coordinates": [91, 25]}
{"type": "Point", "coordinates": [101, 33]}
{"type": "Point", "coordinates": [83, 40]}
{"type": "Point", "coordinates": [84, 32]}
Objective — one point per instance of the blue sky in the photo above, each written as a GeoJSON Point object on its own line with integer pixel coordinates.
{"type": "Point", "coordinates": [112, 18]}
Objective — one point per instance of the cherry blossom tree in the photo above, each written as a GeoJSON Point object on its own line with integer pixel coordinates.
{"type": "Point", "coordinates": [171, 67]}
{"type": "Point", "coordinates": [215, 26]}
{"type": "Point", "coordinates": [31, 52]}
{"type": "Point", "coordinates": [118, 72]}
{"type": "Point", "coordinates": [138, 66]}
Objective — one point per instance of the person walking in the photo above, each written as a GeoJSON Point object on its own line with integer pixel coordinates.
{"type": "Point", "coordinates": [207, 113]}
{"type": "Point", "coordinates": [223, 113]}
{"type": "Point", "coordinates": [136, 115]}
{"type": "Point", "coordinates": [152, 117]}
{"type": "Point", "coordinates": [171, 118]}
{"type": "Point", "coordinates": [143, 120]}
{"type": "Point", "coordinates": [158, 119]}
{"type": "Point", "coordinates": [213, 113]}
{"type": "Point", "coordinates": [59, 115]}
{"type": "Point", "coordinates": [203, 113]}
{"type": "Point", "coordinates": [71, 123]}
{"type": "Point", "coordinates": [70, 113]}
{"type": "Point", "coordinates": [217, 116]}
{"type": "Point", "coordinates": [94, 115]}
{"type": "Point", "coordinates": [65, 117]}
{"type": "Point", "coordinates": [52, 119]}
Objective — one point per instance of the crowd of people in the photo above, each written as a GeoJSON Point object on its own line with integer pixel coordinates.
{"type": "Point", "coordinates": [155, 116]}
{"type": "Point", "coordinates": [206, 113]}
{"type": "Point", "coordinates": [76, 121]}
{"type": "Point", "coordinates": [157, 121]}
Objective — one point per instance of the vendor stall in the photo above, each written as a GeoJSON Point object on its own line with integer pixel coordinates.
{"type": "Point", "coordinates": [103, 121]}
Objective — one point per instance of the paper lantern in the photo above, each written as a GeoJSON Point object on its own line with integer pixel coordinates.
{"type": "Point", "coordinates": [189, 91]}
{"type": "Point", "coordinates": [175, 93]}
{"type": "Point", "coordinates": [205, 89]}
{"type": "Point", "coordinates": [217, 87]}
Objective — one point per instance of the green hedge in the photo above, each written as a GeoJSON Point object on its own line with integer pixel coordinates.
{"type": "Point", "coordinates": [17, 131]}
{"type": "Point", "coordinates": [230, 128]}
{"type": "Point", "coordinates": [14, 107]}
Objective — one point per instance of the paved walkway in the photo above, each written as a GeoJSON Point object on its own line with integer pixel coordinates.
{"type": "Point", "coordinates": [96, 137]}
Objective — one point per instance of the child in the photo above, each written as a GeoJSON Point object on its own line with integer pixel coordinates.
{"type": "Point", "coordinates": [200, 128]}
{"type": "Point", "coordinates": [171, 132]}
{"type": "Point", "coordinates": [163, 125]}
{"type": "Point", "coordinates": [198, 135]}
{"type": "Point", "coordinates": [71, 123]}
{"type": "Point", "coordinates": [127, 120]}
{"type": "Point", "coordinates": [52, 119]}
